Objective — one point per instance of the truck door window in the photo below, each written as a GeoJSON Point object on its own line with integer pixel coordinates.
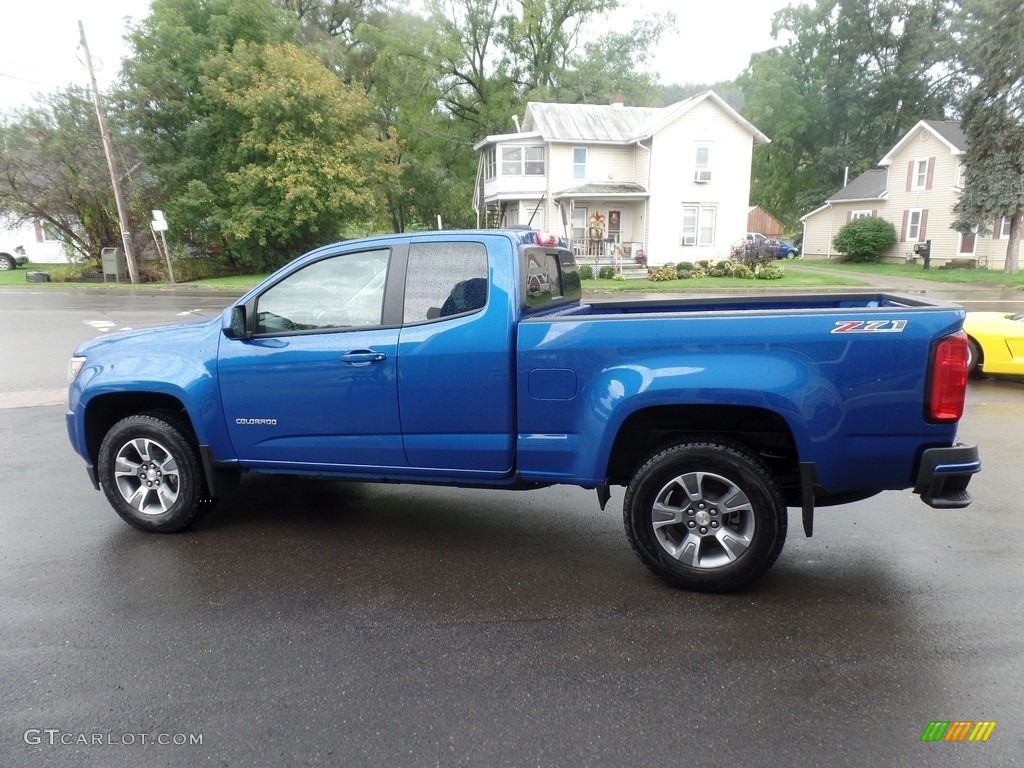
{"type": "Point", "coordinates": [345, 291]}
{"type": "Point", "coordinates": [445, 279]}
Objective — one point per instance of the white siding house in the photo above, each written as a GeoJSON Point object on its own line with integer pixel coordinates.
{"type": "Point", "coordinates": [672, 183]}
{"type": "Point", "coordinates": [916, 187]}
{"type": "Point", "coordinates": [31, 238]}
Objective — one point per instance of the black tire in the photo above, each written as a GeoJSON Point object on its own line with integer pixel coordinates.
{"type": "Point", "coordinates": [973, 357]}
{"type": "Point", "coordinates": [705, 515]}
{"type": "Point", "coordinates": [6, 262]}
{"type": "Point", "coordinates": [151, 474]}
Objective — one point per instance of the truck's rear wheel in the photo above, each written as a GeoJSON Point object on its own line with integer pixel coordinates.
{"type": "Point", "coordinates": [150, 472]}
{"type": "Point", "coordinates": [705, 515]}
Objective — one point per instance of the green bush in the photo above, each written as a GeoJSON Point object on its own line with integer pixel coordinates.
{"type": "Point", "coordinates": [751, 253]}
{"type": "Point", "coordinates": [865, 239]}
{"type": "Point", "coordinates": [606, 273]}
{"type": "Point", "coordinates": [586, 272]}
{"type": "Point", "coordinates": [743, 272]}
{"type": "Point", "coordinates": [770, 272]}
{"type": "Point", "coordinates": [684, 274]}
{"type": "Point", "coordinates": [684, 265]}
{"type": "Point", "coordinates": [662, 274]}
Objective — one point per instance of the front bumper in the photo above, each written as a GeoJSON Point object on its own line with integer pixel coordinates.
{"type": "Point", "coordinates": [944, 473]}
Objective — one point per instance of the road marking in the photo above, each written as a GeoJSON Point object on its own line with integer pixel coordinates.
{"type": "Point", "coordinates": [32, 398]}
{"type": "Point", "coordinates": [104, 325]}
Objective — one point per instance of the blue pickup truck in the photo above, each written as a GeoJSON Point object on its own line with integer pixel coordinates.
{"type": "Point", "coordinates": [468, 358]}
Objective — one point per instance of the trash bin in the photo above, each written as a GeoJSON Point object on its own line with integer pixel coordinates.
{"type": "Point", "coordinates": [114, 264]}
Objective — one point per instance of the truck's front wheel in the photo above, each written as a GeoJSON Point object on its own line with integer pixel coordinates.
{"type": "Point", "coordinates": [705, 515]}
{"type": "Point", "coordinates": [150, 472]}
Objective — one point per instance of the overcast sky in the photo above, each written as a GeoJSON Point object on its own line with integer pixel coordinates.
{"type": "Point", "coordinates": [39, 40]}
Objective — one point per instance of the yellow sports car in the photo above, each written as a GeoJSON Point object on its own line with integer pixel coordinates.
{"type": "Point", "coordinates": [995, 341]}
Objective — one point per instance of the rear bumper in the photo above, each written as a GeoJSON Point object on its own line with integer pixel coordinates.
{"type": "Point", "coordinates": [944, 474]}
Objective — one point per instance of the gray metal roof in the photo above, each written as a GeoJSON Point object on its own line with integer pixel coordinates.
{"type": "Point", "coordinates": [587, 122]}
{"type": "Point", "coordinates": [614, 123]}
{"type": "Point", "coordinates": [870, 185]}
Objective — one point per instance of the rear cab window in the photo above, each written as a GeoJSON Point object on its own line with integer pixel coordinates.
{"type": "Point", "coordinates": [445, 280]}
{"type": "Point", "coordinates": [550, 277]}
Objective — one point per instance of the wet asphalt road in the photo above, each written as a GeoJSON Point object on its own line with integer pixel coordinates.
{"type": "Point", "coordinates": [326, 623]}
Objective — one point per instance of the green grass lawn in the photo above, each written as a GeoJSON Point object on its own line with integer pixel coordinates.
{"type": "Point", "coordinates": [973, 276]}
{"type": "Point", "coordinates": [803, 274]}
{"type": "Point", "coordinates": [16, 277]}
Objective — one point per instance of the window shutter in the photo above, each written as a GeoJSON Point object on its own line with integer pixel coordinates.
{"type": "Point", "coordinates": [923, 234]}
{"type": "Point", "coordinates": [849, 215]}
{"type": "Point", "coordinates": [903, 232]}
{"type": "Point", "coordinates": [37, 225]}
{"type": "Point", "coordinates": [874, 213]}
{"type": "Point", "coordinates": [910, 174]}
{"type": "Point", "coordinates": [931, 173]}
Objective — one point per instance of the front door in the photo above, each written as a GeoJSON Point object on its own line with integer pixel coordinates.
{"type": "Point", "coordinates": [317, 383]}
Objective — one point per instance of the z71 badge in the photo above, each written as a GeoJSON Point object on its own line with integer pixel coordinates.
{"type": "Point", "coordinates": [870, 326]}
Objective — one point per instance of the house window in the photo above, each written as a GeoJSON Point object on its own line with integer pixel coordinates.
{"type": "Point", "coordinates": [698, 225]}
{"type": "Point", "coordinates": [579, 223]}
{"type": "Point", "coordinates": [534, 161]}
{"type": "Point", "coordinates": [914, 224]}
{"type": "Point", "coordinates": [920, 175]}
{"type": "Point", "coordinates": [702, 164]}
{"type": "Point", "coordinates": [490, 163]}
{"type": "Point", "coordinates": [532, 215]}
{"type": "Point", "coordinates": [1001, 231]}
{"type": "Point", "coordinates": [579, 162]}
{"type": "Point", "coordinates": [968, 242]}
{"type": "Point", "coordinates": [511, 161]}
{"type": "Point", "coordinates": [518, 160]}
{"type": "Point", "coordinates": [860, 215]}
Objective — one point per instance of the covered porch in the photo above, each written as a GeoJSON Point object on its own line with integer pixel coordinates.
{"type": "Point", "coordinates": [605, 225]}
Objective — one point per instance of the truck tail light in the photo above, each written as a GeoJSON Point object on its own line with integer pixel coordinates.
{"type": "Point", "coordinates": [948, 381]}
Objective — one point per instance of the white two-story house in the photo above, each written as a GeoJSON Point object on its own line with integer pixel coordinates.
{"type": "Point", "coordinates": [670, 184]}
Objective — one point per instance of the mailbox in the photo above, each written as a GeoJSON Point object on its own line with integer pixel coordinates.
{"type": "Point", "coordinates": [114, 263]}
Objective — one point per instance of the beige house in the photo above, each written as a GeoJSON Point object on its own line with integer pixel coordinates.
{"type": "Point", "coordinates": [920, 180]}
{"type": "Point", "coordinates": [672, 183]}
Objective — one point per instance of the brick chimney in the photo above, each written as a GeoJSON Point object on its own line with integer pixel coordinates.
{"type": "Point", "coordinates": [617, 100]}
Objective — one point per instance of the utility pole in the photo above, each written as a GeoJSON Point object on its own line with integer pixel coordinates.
{"type": "Point", "coordinates": [108, 150]}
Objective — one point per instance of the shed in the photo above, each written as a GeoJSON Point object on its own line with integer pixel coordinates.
{"type": "Point", "coordinates": [759, 220]}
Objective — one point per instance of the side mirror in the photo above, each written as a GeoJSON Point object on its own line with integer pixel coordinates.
{"type": "Point", "coordinates": [234, 326]}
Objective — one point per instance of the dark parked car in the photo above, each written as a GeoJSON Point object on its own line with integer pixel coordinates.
{"type": "Point", "coordinates": [781, 248]}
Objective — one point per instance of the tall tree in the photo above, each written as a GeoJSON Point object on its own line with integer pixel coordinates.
{"type": "Point", "coordinates": [851, 79]}
{"type": "Point", "coordinates": [301, 161]}
{"type": "Point", "coordinates": [993, 124]}
{"type": "Point", "coordinates": [52, 169]}
{"type": "Point", "coordinates": [435, 158]}
{"type": "Point", "coordinates": [260, 149]}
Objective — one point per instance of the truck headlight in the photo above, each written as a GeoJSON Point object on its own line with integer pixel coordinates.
{"type": "Point", "coordinates": [74, 368]}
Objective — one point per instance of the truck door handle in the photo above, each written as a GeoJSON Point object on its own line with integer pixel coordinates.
{"type": "Point", "coordinates": [363, 357]}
